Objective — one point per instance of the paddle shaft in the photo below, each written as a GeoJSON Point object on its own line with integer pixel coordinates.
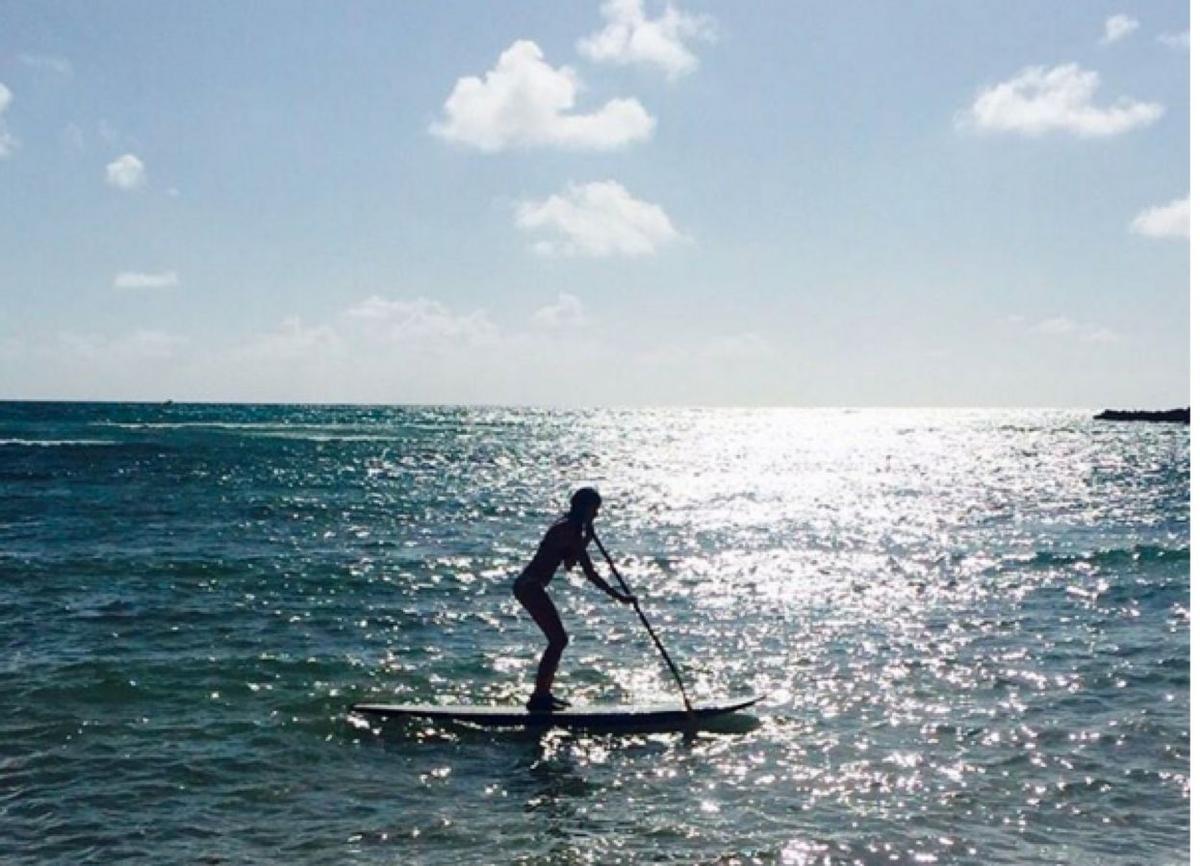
{"type": "Point", "coordinates": [674, 670]}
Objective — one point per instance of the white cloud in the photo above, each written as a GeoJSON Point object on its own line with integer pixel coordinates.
{"type": "Point", "coordinates": [566, 312]}
{"type": "Point", "coordinates": [126, 172]}
{"type": "Point", "coordinates": [7, 143]}
{"type": "Point", "coordinates": [597, 219]}
{"type": "Point", "coordinates": [629, 37]}
{"type": "Point", "coordinates": [138, 280]}
{"type": "Point", "coordinates": [1117, 27]}
{"type": "Point", "coordinates": [525, 102]}
{"type": "Point", "coordinates": [1086, 332]}
{"type": "Point", "coordinates": [48, 63]}
{"type": "Point", "coordinates": [1171, 220]}
{"type": "Point", "coordinates": [405, 321]}
{"type": "Point", "coordinates": [1181, 41]}
{"type": "Point", "coordinates": [1040, 100]}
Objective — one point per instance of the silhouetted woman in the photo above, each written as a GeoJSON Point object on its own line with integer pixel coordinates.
{"type": "Point", "coordinates": [565, 542]}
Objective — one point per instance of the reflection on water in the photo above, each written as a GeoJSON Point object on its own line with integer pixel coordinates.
{"type": "Point", "coordinates": [970, 629]}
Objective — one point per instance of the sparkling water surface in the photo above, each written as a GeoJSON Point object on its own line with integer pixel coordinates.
{"type": "Point", "coordinates": [970, 629]}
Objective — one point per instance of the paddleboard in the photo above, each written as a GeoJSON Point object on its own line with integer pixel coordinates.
{"type": "Point", "coordinates": [586, 717]}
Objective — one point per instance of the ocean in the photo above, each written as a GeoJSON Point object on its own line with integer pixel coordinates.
{"type": "Point", "coordinates": [969, 629]}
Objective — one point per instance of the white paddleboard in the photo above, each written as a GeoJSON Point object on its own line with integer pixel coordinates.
{"type": "Point", "coordinates": [585, 717]}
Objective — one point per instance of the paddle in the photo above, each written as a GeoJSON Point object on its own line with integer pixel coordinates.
{"type": "Point", "coordinates": [674, 670]}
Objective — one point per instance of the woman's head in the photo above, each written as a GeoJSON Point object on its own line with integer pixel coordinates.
{"type": "Point", "coordinates": [585, 502]}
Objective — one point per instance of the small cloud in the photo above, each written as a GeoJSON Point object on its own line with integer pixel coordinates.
{"type": "Point", "coordinates": [1040, 100]}
{"type": "Point", "coordinates": [1181, 41]}
{"type": "Point", "coordinates": [47, 63]}
{"type": "Point", "coordinates": [629, 37]}
{"type": "Point", "coordinates": [1171, 220]}
{"type": "Point", "coordinates": [525, 102]}
{"type": "Point", "coordinates": [566, 312]}
{"type": "Point", "coordinates": [137, 280]}
{"type": "Point", "coordinates": [597, 219]}
{"type": "Point", "coordinates": [1085, 332]}
{"type": "Point", "coordinates": [402, 321]}
{"type": "Point", "coordinates": [126, 173]}
{"type": "Point", "coordinates": [7, 143]}
{"type": "Point", "coordinates": [1117, 27]}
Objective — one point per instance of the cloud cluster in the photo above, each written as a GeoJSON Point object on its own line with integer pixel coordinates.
{"type": "Point", "coordinates": [1117, 27]}
{"type": "Point", "coordinates": [7, 143]}
{"type": "Point", "coordinates": [525, 102]}
{"type": "Point", "coordinates": [1171, 220]}
{"type": "Point", "coordinates": [1040, 100]}
{"type": "Point", "coordinates": [126, 173]}
{"type": "Point", "coordinates": [596, 219]}
{"type": "Point", "coordinates": [629, 37]}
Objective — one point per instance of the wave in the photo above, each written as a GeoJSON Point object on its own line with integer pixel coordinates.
{"type": "Point", "coordinates": [221, 425]}
{"type": "Point", "coordinates": [1112, 556]}
{"type": "Point", "coordinates": [319, 432]}
{"type": "Point", "coordinates": [52, 443]}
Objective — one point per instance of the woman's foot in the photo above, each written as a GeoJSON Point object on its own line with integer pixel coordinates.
{"type": "Point", "coordinates": [540, 702]}
{"type": "Point", "coordinates": [544, 702]}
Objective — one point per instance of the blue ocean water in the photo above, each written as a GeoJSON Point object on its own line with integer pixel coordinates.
{"type": "Point", "coordinates": [970, 629]}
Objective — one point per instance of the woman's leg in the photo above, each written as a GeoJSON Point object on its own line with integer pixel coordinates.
{"type": "Point", "coordinates": [545, 614]}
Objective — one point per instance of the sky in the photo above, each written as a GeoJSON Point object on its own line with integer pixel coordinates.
{"type": "Point", "coordinates": [612, 202]}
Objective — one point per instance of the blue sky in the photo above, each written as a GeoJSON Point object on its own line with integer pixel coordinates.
{"type": "Point", "coordinates": [596, 202]}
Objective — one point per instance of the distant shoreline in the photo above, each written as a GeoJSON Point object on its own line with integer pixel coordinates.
{"type": "Point", "coordinates": [1172, 416]}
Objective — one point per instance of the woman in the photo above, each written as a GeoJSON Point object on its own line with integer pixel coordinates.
{"type": "Point", "coordinates": [565, 542]}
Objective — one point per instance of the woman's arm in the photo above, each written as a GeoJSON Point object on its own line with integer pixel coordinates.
{"type": "Point", "coordinates": [589, 571]}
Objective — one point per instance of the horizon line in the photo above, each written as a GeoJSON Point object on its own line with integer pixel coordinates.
{"type": "Point", "coordinates": [166, 402]}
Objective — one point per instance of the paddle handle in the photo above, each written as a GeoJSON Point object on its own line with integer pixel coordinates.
{"type": "Point", "coordinates": [670, 664]}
